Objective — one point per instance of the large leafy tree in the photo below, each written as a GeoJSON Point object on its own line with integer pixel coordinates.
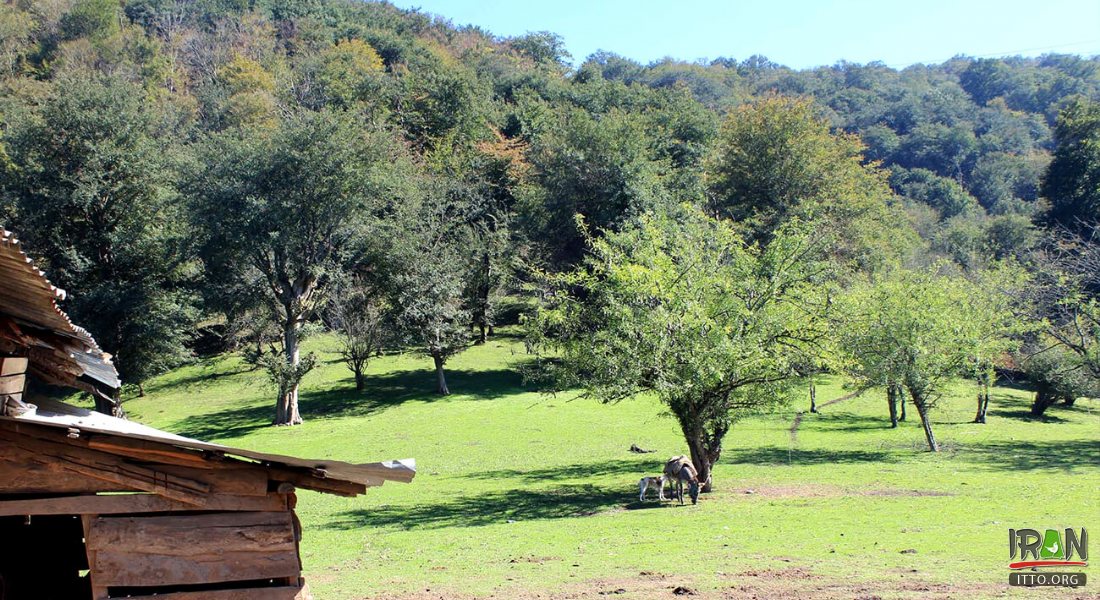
{"type": "Point", "coordinates": [682, 308]}
{"type": "Point", "coordinates": [1066, 297]}
{"type": "Point", "coordinates": [357, 311]}
{"type": "Point", "coordinates": [777, 159]}
{"type": "Point", "coordinates": [94, 197]}
{"type": "Point", "coordinates": [427, 275]}
{"type": "Point", "coordinates": [603, 169]}
{"type": "Point", "coordinates": [283, 209]}
{"type": "Point", "coordinates": [1072, 183]}
{"type": "Point", "coordinates": [1056, 374]}
{"type": "Point", "coordinates": [918, 329]}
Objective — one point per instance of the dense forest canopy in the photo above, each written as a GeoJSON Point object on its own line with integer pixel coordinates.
{"type": "Point", "coordinates": [190, 167]}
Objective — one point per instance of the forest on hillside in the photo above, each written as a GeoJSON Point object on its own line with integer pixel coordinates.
{"type": "Point", "coordinates": [207, 175]}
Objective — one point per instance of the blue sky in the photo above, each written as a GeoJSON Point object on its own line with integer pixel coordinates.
{"type": "Point", "coordinates": [797, 33]}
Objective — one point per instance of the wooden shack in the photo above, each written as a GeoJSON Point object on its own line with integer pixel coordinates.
{"type": "Point", "coordinates": [96, 506]}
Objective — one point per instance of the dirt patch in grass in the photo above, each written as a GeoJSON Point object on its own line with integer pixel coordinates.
{"type": "Point", "coordinates": [794, 427]}
{"type": "Point", "coordinates": [899, 492]}
{"type": "Point", "coordinates": [794, 583]}
{"type": "Point", "coordinates": [812, 490]}
{"type": "Point", "coordinates": [794, 490]}
{"type": "Point", "coordinates": [770, 574]}
{"type": "Point", "coordinates": [537, 560]}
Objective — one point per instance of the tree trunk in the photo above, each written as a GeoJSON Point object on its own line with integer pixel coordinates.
{"type": "Point", "coordinates": [492, 332]}
{"type": "Point", "coordinates": [900, 395]}
{"type": "Point", "coordinates": [1043, 400]}
{"type": "Point", "coordinates": [442, 378]}
{"type": "Point", "coordinates": [813, 397]}
{"type": "Point", "coordinates": [359, 382]}
{"type": "Point", "coordinates": [141, 389]}
{"type": "Point", "coordinates": [892, 400]}
{"type": "Point", "coordinates": [108, 406]}
{"type": "Point", "coordinates": [983, 401]}
{"type": "Point", "coordinates": [700, 458]}
{"type": "Point", "coordinates": [1069, 400]}
{"type": "Point", "coordinates": [922, 410]}
{"type": "Point", "coordinates": [485, 292]}
{"type": "Point", "coordinates": [286, 408]}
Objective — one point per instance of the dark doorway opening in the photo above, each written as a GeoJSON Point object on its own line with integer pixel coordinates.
{"type": "Point", "coordinates": [43, 558]}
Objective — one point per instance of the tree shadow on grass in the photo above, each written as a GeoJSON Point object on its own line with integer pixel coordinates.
{"type": "Point", "coordinates": [225, 424]}
{"type": "Point", "coordinates": [1010, 407]}
{"type": "Point", "coordinates": [1025, 415]}
{"type": "Point", "coordinates": [577, 471]}
{"type": "Point", "coordinates": [206, 374]}
{"type": "Point", "coordinates": [841, 421]}
{"type": "Point", "coordinates": [560, 502]}
{"type": "Point", "coordinates": [779, 455]}
{"type": "Point", "coordinates": [1067, 455]}
{"type": "Point", "coordinates": [380, 392]}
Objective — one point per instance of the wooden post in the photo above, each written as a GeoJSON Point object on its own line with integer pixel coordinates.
{"type": "Point", "coordinates": [98, 592]}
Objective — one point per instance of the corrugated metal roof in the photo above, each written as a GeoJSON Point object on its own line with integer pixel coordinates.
{"type": "Point", "coordinates": [53, 413]}
{"type": "Point", "coordinates": [31, 300]}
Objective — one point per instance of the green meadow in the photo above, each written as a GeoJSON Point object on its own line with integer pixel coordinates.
{"type": "Point", "coordinates": [523, 494]}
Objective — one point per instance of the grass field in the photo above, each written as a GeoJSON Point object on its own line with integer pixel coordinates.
{"type": "Point", "coordinates": [521, 494]}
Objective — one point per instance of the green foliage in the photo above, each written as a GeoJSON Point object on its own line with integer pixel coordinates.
{"type": "Point", "coordinates": [1010, 236]}
{"type": "Point", "coordinates": [427, 289]}
{"type": "Point", "coordinates": [349, 72]}
{"type": "Point", "coordinates": [1008, 183]}
{"type": "Point", "coordinates": [498, 136]}
{"type": "Point", "coordinates": [774, 155]}
{"type": "Point", "coordinates": [986, 79]}
{"type": "Point", "coordinates": [1072, 184]}
{"type": "Point", "coordinates": [962, 239]}
{"type": "Point", "coordinates": [776, 160]}
{"type": "Point", "coordinates": [363, 322]}
{"type": "Point", "coordinates": [1066, 299]}
{"type": "Point", "coordinates": [90, 18]}
{"type": "Point", "coordinates": [543, 47]}
{"type": "Point", "coordinates": [285, 375]}
{"type": "Point", "coordinates": [251, 88]}
{"type": "Point", "coordinates": [1056, 374]}
{"type": "Point", "coordinates": [921, 328]}
{"type": "Point", "coordinates": [944, 195]}
{"type": "Point", "coordinates": [949, 150]}
{"type": "Point", "coordinates": [93, 196]}
{"type": "Point", "coordinates": [242, 74]}
{"type": "Point", "coordinates": [681, 308]}
{"type": "Point", "coordinates": [441, 105]}
{"type": "Point", "coordinates": [279, 212]}
{"type": "Point", "coordinates": [293, 200]}
{"type": "Point", "coordinates": [16, 28]}
{"type": "Point", "coordinates": [611, 66]}
{"type": "Point", "coordinates": [600, 168]}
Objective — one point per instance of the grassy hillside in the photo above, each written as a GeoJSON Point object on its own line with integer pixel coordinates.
{"type": "Point", "coordinates": [521, 494]}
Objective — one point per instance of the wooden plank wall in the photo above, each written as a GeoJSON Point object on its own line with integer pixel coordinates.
{"type": "Point", "coordinates": [164, 551]}
{"type": "Point", "coordinates": [183, 518]}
